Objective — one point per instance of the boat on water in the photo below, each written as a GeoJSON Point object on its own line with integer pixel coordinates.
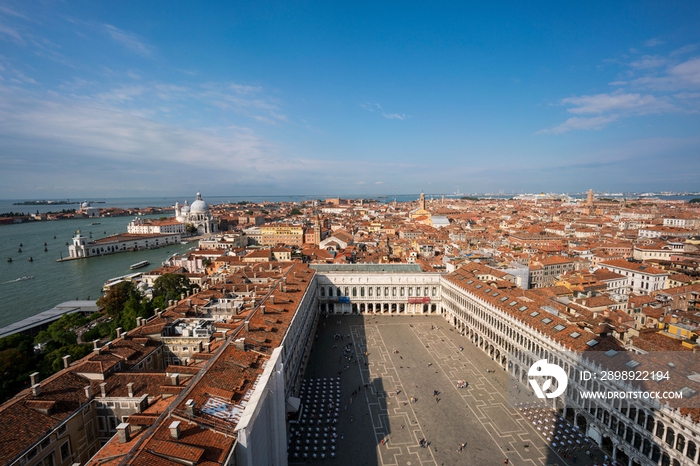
{"type": "Point", "coordinates": [26, 277]}
{"type": "Point", "coordinates": [138, 265]}
{"type": "Point", "coordinates": [95, 223]}
{"type": "Point", "coordinates": [123, 278]}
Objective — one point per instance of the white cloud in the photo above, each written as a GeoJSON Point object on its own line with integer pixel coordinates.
{"type": "Point", "coordinates": [687, 95]}
{"type": "Point", "coordinates": [581, 123]}
{"type": "Point", "coordinates": [389, 116]}
{"type": "Point", "coordinates": [653, 42]}
{"type": "Point", "coordinates": [685, 49]}
{"type": "Point", "coordinates": [688, 72]}
{"type": "Point", "coordinates": [603, 103]}
{"type": "Point", "coordinates": [648, 61]}
{"type": "Point", "coordinates": [244, 89]}
{"type": "Point", "coordinates": [11, 33]}
{"type": "Point", "coordinates": [378, 182]}
{"type": "Point", "coordinates": [122, 94]}
{"type": "Point", "coordinates": [129, 40]}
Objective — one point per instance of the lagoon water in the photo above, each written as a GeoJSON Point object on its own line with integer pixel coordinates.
{"type": "Point", "coordinates": [57, 282]}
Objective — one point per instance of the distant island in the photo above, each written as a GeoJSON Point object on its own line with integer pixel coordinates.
{"type": "Point", "coordinates": [44, 202]}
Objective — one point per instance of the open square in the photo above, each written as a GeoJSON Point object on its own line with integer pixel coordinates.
{"type": "Point", "coordinates": [390, 369]}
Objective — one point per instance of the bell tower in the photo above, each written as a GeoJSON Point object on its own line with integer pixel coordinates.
{"type": "Point", "coordinates": [317, 230]}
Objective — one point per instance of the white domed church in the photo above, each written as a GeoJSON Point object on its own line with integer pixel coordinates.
{"type": "Point", "coordinates": [198, 215]}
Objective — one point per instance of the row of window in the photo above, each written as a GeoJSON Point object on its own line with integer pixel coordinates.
{"type": "Point", "coordinates": [370, 291]}
{"type": "Point", "coordinates": [638, 416]}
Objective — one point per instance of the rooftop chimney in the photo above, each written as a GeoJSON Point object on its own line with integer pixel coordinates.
{"type": "Point", "coordinates": [119, 332]}
{"type": "Point", "coordinates": [175, 430]}
{"type": "Point", "coordinates": [130, 389]}
{"type": "Point", "coordinates": [189, 405]}
{"type": "Point", "coordinates": [207, 345]}
{"type": "Point", "coordinates": [103, 389]}
{"type": "Point", "coordinates": [272, 299]}
{"type": "Point", "coordinates": [36, 389]}
{"type": "Point", "coordinates": [123, 432]}
{"type": "Point", "coordinates": [34, 378]}
{"type": "Point", "coordinates": [262, 309]}
{"type": "Point", "coordinates": [175, 379]}
{"type": "Point", "coordinates": [240, 344]}
{"type": "Point", "coordinates": [66, 361]}
{"type": "Point", "coordinates": [88, 392]}
{"type": "Point", "coordinates": [247, 326]}
{"type": "Point", "coordinates": [95, 345]}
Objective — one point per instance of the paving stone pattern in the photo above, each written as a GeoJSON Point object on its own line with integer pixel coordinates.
{"type": "Point", "coordinates": [380, 424]}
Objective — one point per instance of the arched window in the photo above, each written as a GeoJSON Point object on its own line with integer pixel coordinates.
{"type": "Point", "coordinates": [680, 443]}
{"type": "Point", "coordinates": [670, 437]}
{"type": "Point", "coordinates": [659, 430]}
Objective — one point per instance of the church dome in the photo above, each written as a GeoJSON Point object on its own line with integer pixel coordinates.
{"type": "Point", "coordinates": [85, 205]}
{"type": "Point", "coordinates": [185, 208]}
{"type": "Point", "coordinates": [199, 205]}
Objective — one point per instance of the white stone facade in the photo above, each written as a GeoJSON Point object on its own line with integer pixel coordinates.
{"type": "Point", "coordinates": [198, 215]}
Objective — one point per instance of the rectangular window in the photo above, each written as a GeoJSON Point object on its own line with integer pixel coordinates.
{"type": "Point", "coordinates": [386, 291]}
{"type": "Point", "coordinates": [393, 291]}
{"type": "Point", "coordinates": [402, 291]}
{"type": "Point", "coordinates": [434, 291]}
{"type": "Point", "coordinates": [362, 291]}
{"type": "Point", "coordinates": [102, 426]}
{"type": "Point", "coordinates": [379, 291]}
{"type": "Point", "coordinates": [410, 291]}
{"type": "Point", "coordinates": [89, 432]}
{"type": "Point", "coordinates": [46, 461]}
{"type": "Point", "coordinates": [65, 451]}
{"type": "Point", "coordinates": [426, 293]}
{"type": "Point", "coordinates": [46, 442]}
{"type": "Point", "coordinates": [370, 290]}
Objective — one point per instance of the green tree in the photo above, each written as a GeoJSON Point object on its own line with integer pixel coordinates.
{"type": "Point", "coordinates": [113, 302]}
{"type": "Point", "coordinates": [133, 308]}
{"type": "Point", "coordinates": [159, 302]}
{"type": "Point", "coordinates": [171, 286]}
{"type": "Point", "coordinates": [295, 211]}
{"type": "Point", "coordinates": [53, 361]}
{"type": "Point", "coordinates": [694, 200]}
{"type": "Point", "coordinates": [62, 332]}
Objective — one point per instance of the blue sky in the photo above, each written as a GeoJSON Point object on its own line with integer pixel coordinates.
{"type": "Point", "coordinates": [106, 99]}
